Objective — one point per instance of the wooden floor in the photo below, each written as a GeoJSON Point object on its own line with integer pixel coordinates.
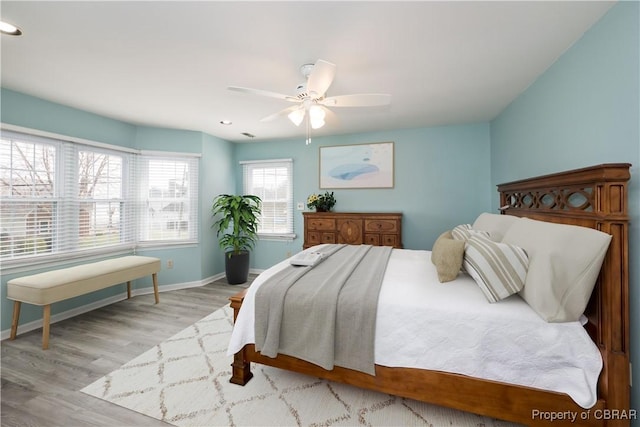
{"type": "Point", "coordinates": [41, 388]}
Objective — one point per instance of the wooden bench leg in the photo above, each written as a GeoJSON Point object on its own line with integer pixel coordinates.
{"type": "Point", "coordinates": [15, 319]}
{"type": "Point", "coordinates": [129, 289]}
{"type": "Point", "coordinates": [46, 320]}
{"type": "Point", "coordinates": [155, 287]}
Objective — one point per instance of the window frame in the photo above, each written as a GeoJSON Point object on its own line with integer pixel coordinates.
{"type": "Point", "coordinates": [193, 200]}
{"type": "Point", "coordinates": [249, 165]}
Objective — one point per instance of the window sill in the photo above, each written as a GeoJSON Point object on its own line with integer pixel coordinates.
{"type": "Point", "coordinates": [166, 244]}
{"type": "Point", "coordinates": [281, 237]}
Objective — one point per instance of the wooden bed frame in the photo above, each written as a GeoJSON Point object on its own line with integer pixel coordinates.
{"type": "Point", "coordinates": [594, 197]}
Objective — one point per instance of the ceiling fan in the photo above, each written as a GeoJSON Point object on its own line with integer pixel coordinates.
{"type": "Point", "coordinates": [311, 100]}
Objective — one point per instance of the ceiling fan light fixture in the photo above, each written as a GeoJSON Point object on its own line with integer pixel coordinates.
{"type": "Point", "coordinates": [317, 124]}
{"type": "Point", "coordinates": [316, 111]}
{"type": "Point", "coordinates": [316, 116]}
{"type": "Point", "coordinates": [296, 116]}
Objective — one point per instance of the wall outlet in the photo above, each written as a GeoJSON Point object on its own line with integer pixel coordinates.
{"type": "Point", "coordinates": [169, 264]}
{"type": "Point", "coordinates": [288, 254]}
{"type": "Point", "coordinates": [300, 206]}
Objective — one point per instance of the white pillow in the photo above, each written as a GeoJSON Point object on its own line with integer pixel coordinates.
{"type": "Point", "coordinates": [564, 263]}
{"type": "Point", "coordinates": [499, 269]}
{"type": "Point", "coordinates": [496, 225]}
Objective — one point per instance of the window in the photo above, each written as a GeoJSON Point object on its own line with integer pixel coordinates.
{"type": "Point", "coordinates": [61, 199]}
{"type": "Point", "coordinates": [169, 188]}
{"type": "Point", "coordinates": [28, 187]}
{"type": "Point", "coordinates": [272, 181]}
{"type": "Point", "coordinates": [103, 219]}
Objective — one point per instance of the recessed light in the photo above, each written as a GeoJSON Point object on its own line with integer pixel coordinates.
{"type": "Point", "coordinates": [225, 122]}
{"type": "Point", "coordinates": [12, 30]}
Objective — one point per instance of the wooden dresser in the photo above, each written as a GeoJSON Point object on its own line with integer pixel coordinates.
{"type": "Point", "coordinates": [379, 229]}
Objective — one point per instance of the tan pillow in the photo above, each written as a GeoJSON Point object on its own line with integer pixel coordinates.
{"type": "Point", "coordinates": [447, 256]}
{"type": "Point", "coordinates": [564, 263]}
{"type": "Point", "coordinates": [496, 225]}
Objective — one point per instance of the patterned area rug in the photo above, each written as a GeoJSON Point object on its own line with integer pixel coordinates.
{"type": "Point", "coordinates": [185, 381]}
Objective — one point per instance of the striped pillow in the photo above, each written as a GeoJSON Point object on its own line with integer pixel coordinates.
{"type": "Point", "coordinates": [465, 231]}
{"type": "Point", "coordinates": [499, 269]}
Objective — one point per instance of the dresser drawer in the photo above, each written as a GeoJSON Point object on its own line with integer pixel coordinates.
{"type": "Point", "coordinates": [372, 239]}
{"type": "Point", "coordinates": [382, 240]}
{"type": "Point", "coordinates": [328, 237]}
{"type": "Point", "coordinates": [317, 237]}
{"type": "Point", "coordinates": [313, 238]}
{"type": "Point", "coordinates": [380, 226]}
{"type": "Point", "coordinates": [321, 224]}
{"type": "Point", "coordinates": [390, 240]}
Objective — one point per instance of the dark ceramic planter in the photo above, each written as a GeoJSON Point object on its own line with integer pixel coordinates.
{"type": "Point", "coordinates": [236, 267]}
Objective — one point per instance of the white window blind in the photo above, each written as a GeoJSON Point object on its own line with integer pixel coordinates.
{"type": "Point", "coordinates": [101, 203]}
{"type": "Point", "coordinates": [59, 198]}
{"type": "Point", "coordinates": [169, 198]}
{"type": "Point", "coordinates": [63, 199]}
{"type": "Point", "coordinates": [272, 181]}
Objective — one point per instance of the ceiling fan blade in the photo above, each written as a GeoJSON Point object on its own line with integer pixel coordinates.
{"type": "Point", "coordinates": [321, 77]}
{"type": "Point", "coordinates": [263, 93]}
{"type": "Point", "coordinates": [281, 113]}
{"type": "Point", "coordinates": [358, 100]}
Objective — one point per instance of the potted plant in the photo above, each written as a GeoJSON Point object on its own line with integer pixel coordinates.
{"type": "Point", "coordinates": [237, 230]}
{"type": "Point", "coordinates": [321, 202]}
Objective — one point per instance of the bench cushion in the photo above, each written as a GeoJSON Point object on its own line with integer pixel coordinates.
{"type": "Point", "coordinates": [57, 285]}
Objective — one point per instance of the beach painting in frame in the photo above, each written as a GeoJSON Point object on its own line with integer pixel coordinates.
{"type": "Point", "coordinates": [357, 166]}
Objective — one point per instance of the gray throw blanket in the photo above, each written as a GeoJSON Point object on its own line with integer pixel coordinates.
{"type": "Point", "coordinates": [324, 314]}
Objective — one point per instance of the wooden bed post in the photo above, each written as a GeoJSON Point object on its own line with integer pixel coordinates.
{"type": "Point", "coordinates": [614, 295]}
{"type": "Point", "coordinates": [241, 367]}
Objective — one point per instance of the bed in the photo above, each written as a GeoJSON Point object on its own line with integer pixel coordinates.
{"type": "Point", "coordinates": [593, 197]}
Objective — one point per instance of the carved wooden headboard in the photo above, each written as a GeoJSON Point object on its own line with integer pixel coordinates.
{"type": "Point", "coordinates": [594, 197]}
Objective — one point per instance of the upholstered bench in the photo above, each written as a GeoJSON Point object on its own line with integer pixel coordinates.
{"type": "Point", "coordinates": [57, 285]}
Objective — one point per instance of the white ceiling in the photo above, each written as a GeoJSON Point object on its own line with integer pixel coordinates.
{"type": "Point", "coordinates": [168, 64]}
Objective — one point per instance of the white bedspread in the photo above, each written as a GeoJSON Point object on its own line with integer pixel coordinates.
{"type": "Point", "coordinates": [422, 323]}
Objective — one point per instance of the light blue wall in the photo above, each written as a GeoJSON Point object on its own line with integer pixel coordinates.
{"type": "Point", "coordinates": [442, 178]}
{"type": "Point", "coordinates": [172, 140]}
{"type": "Point", "coordinates": [217, 173]}
{"type": "Point", "coordinates": [26, 111]}
{"type": "Point", "coordinates": [584, 110]}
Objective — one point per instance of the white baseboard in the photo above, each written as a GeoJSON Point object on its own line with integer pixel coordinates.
{"type": "Point", "coordinates": [36, 324]}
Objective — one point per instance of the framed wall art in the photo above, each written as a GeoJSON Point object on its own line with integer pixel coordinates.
{"type": "Point", "coordinates": [357, 166]}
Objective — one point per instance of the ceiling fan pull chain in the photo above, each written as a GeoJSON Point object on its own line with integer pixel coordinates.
{"type": "Point", "coordinates": [308, 141]}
